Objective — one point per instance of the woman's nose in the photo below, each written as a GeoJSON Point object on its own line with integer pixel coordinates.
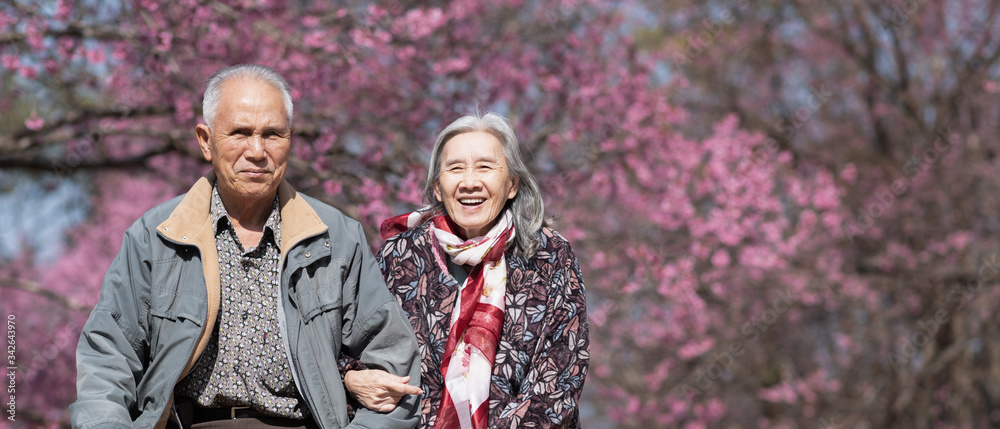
{"type": "Point", "coordinates": [470, 178]}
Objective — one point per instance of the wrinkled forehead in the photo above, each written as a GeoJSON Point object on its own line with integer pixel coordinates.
{"type": "Point", "coordinates": [252, 99]}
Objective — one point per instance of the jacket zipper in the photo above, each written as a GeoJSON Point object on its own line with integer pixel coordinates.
{"type": "Point", "coordinates": [283, 330]}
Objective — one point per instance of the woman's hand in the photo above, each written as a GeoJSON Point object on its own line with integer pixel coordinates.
{"type": "Point", "coordinates": [378, 390]}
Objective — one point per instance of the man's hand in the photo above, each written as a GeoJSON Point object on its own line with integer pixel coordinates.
{"type": "Point", "coordinates": [378, 390]}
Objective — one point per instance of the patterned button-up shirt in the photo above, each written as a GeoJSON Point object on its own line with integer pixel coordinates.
{"type": "Point", "coordinates": [245, 363]}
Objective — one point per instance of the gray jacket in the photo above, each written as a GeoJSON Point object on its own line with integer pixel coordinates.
{"type": "Point", "coordinates": [160, 300]}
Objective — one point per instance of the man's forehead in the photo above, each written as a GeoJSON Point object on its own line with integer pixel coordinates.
{"type": "Point", "coordinates": [251, 98]}
{"type": "Point", "coordinates": [243, 86]}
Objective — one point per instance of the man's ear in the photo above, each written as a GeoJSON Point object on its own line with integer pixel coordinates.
{"type": "Point", "coordinates": [204, 135]}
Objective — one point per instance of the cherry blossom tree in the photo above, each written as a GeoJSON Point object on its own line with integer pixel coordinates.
{"type": "Point", "coordinates": [108, 93]}
{"type": "Point", "coordinates": [896, 101]}
{"type": "Point", "coordinates": [781, 208]}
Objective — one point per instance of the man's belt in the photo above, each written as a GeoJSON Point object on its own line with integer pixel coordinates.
{"type": "Point", "coordinates": [202, 415]}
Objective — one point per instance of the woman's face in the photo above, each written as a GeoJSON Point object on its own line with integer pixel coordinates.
{"type": "Point", "coordinates": [474, 184]}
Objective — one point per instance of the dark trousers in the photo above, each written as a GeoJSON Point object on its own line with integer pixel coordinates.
{"type": "Point", "coordinates": [188, 412]}
{"type": "Point", "coordinates": [256, 423]}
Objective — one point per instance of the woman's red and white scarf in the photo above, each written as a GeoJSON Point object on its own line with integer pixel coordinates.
{"type": "Point", "coordinates": [476, 320]}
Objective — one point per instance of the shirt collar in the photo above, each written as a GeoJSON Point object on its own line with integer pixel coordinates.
{"type": "Point", "coordinates": [219, 213]}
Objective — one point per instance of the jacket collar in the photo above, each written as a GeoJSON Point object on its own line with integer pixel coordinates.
{"type": "Point", "coordinates": [191, 220]}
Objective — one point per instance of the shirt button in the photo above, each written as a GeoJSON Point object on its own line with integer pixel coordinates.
{"type": "Point", "coordinates": [308, 254]}
{"type": "Point", "coordinates": [327, 244]}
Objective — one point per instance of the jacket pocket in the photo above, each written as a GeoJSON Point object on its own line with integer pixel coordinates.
{"type": "Point", "coordinates": [178, 297]}
{"type": "Point", "coordinates": [319, 288]}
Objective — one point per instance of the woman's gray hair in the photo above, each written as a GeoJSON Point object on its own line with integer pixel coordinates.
{"type": "Point", "coordinates": [527, 207]}
{"type": "Point", "coordinates": [213, 88]}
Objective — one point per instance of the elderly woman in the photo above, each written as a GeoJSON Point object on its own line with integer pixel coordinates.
{"type": "Point", "coordinates": [496, 298]}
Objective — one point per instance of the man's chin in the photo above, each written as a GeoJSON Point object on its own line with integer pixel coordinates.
{"type": "Point", "coordinates": [256, 191]}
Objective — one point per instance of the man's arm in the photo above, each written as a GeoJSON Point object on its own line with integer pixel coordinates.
{"type": "Point", "coordinates": [373, 388]}
{"type": "Point", "coordinates": [379, 335]}
{"type": "Point", "coordinates": [110, 353]}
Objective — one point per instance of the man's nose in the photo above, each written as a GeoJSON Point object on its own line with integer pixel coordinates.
{"type": "Point", "coordinates": [255, 148]}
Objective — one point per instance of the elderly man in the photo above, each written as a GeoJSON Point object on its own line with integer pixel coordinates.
{"type": "Point", "coordinates": [229, 306]}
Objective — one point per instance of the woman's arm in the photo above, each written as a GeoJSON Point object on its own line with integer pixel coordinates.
{"type": "Point", "coordinates": [378, 390]}
{"type": "Point", "coordinates": [550, 391]}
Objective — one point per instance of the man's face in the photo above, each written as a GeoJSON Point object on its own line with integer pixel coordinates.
{"type": "Point", "coordinates": [249, 142]}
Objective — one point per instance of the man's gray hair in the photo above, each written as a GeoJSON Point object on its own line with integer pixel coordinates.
{"type": "Point", "coordinates": [527, 207]}
{"type": "Point", "coordinates": [213, 88]}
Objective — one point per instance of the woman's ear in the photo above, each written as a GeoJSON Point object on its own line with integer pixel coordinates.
{"type": "Point", "coordinates": [513, 189]}
{"type": "Point", "coordinates": [437, 192]}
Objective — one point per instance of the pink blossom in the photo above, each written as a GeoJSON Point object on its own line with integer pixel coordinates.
{"type": "Point", "coordinates": [34, 123]}
{"type": "Point", "coordinates": [825, 195]}
{"type": "Point", "coordinates": [551, 83]}
{"type": "Point", "coordinates": [695, 348]}
{"type": "Point", "coordinates": [10, 62]}
{"type": "Point", "coordinates": [165, 40]}
{"type": "Point", "coordinates": [310, 21]}
{"type": "Point", "coordinates": [362, 38]}
{"type": "Point", "coordinates": [959, 239]}
{"type": "Point", "coordinates": [119, 52]}
{"type": "Point", "coordinates": [406, 53]}
{"type": "Point", "coordinates": [96, 55]}
{"type": "Point", "coordinates": [34, 33]}
{"type": "Point", "coordinates": [720, 258]}
{"type": "Point", "coordinates": [315, 39]}
{"type": "Point", "coordinates": [849, 173]}
{"type": "Point", "coordinates": [715, 410]}
{"type": "Point", "coordinates": [452, 65]}
{"type": "Point", "coordinates": [28, 72]}
{"type": "Point", "coordinates": [780, 393]}
{"type": "Point", "coordinates": [183, 111]}
{"type": "Point", "coordinates": [419, 23]}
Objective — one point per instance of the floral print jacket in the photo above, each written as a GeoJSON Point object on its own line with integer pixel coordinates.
{"type": "Point", "coordinates": [542, 358]}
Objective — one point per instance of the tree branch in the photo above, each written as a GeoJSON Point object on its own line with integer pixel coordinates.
{"type": "Point", "coordinates": [49, 165]}
{"type": "Point", "coordinates": [35, 288]}
{"type": "Point", "coordinates": [85, 113]}
{"type": "Point", "coordinates": [74, 29]}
